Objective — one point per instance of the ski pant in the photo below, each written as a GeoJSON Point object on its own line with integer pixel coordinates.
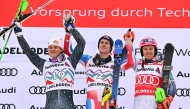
{"type": "Point", "coordinates": [59, 99]}
{"type": "Point", "coordinates": [145, 102]}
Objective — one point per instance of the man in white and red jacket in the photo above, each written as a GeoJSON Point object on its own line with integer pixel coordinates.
{"type": "Point", "coordinates": [148, 71]}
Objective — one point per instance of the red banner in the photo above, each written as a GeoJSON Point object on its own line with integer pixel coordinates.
{"type": "Point", "coordinates": [103, 13]}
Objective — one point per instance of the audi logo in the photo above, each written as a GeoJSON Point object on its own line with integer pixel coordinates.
{"type": "Point", "coordinates": [79, 107]}
{"type": "Point", "coordinates": [183, 92]}
{"type": "Point", "coordinates": [8, 71]}
{"type": "Point", "coordinates": [37, 90]}
{"type": "Point", "coordinates": [7, 106]}
{"type": "Point", "coordinates": [147, 79]}
{"type": "Point", "coordinates": [121, 91]}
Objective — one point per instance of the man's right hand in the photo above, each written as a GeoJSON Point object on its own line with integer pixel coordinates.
{"type": "Point", "coordinates": [129, 37]}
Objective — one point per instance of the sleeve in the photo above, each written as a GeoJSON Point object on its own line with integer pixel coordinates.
{"type": "Point", "coordinates": [172, 86]}
{"type": "Point", "coordinates": [78, 50]}
{"type": "Point", "coordinates": [33, 57]}
{"type": "Point", "coordinates": [128, 58]}
{"type": "Point", "coordinates": [84, 59]}
{"type": "Point", "coordinates": [69, 50]}
{"type": "Point", "coordinates": [67, 45]}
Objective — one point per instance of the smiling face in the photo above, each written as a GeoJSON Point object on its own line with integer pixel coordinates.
{"type": "Point", "coordinates": [54, 50]}
{"type": "Point", "coordinates": [148, 51]}
{"type": "Point", "coordinates": [104, 46]}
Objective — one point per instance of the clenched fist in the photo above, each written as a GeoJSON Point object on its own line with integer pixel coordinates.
{"type": "Point", "coordinates": [129, 37]}
{"type": "Point", "coordinates": [68, 22]}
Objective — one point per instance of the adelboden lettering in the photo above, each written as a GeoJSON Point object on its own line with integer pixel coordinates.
{"type": "Point", "coordinates": [16, 50]}
{"type": "Point", "coordinates": [180, 74]}
{"type": "Point", "coordinates": [59, 85]}
{"type": "Point", "coordinates": [99, 84]}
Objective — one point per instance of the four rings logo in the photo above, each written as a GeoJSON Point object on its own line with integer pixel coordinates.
{"type": "Point", "coordinates": [7, 106]}
{"type": "Point", "coordinates": [147, 79]}
{"type": "Point", "coordinates": [80, 107]}
{"type": "Point", "coordinates": [37, 90]}
{"type": "Point", "coordinates": [8, 71]}
{"type": "Point", "coordinates": [183, 92]}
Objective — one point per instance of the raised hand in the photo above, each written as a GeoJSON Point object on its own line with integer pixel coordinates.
{"type": "Point", "coordinates": [129, 37]}
{"type": "Point", "coordinates": [68, 22]}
